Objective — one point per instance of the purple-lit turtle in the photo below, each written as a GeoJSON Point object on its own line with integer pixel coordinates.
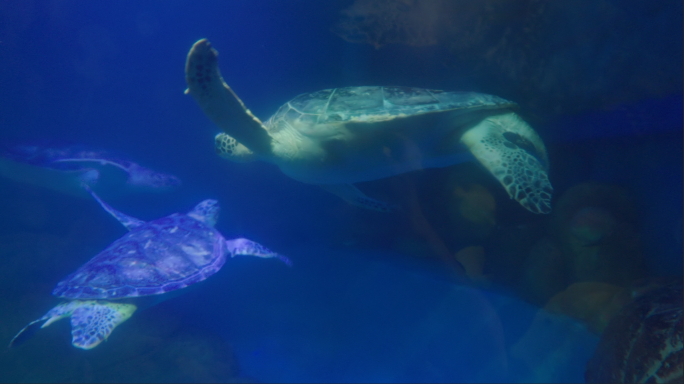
{"type": "Point", "coordinates": [67, 169]}
{"type": "Point", "coordinates": [153, 258]}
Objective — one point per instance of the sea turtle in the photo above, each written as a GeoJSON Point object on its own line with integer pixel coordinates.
{"type": "Point", "coordinates": [643, 341]}
{"type": "Point", "coordinates": [153, 258]}
{"type": "Point", "coordinates": [66, 169]}
{"type": "Point", "coordinates": [337, 137]}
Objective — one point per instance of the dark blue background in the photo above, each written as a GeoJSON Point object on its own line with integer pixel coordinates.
{"type": "Point", "coordinates": [112, 75]}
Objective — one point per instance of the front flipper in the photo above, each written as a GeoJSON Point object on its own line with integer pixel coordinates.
{"type": "Point", "coordinates": [230, 149]}
{"type": "Point", "coordinates": [91, 321]}
{"type": "Point", "coordinates": [352, 195]}
{"type": "Point", "coordinates": [515, 155]}
{"type": "Point", "coordinates": [127, 221]}
{"type": "Point", "coordinates": [246, 247]}
{"type": "Point", "coordinates": [94, 321]}
{"type": "Point", "coordinates": [220, 103]}
{"type": "Point", "coordinates": [59, 312]}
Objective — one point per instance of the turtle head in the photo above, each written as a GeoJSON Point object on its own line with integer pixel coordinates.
{"type": "Point", "coordinates": [206, 212]}
{"type": "Point", "coordinates": [229, 148]}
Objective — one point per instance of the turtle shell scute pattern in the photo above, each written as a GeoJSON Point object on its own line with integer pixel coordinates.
{"type": "Point", "coordinates": [374, 104]}
{"type": "Point", "coordinates": [161, 256]}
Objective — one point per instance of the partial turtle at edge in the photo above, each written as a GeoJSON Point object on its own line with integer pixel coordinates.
{"type": "Point", "coordinates": [643, 342]}
{"type": "Point", "coordinates": [67, 169]}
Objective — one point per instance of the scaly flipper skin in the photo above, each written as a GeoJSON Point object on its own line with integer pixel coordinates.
{"type": "Point", "coordinates": [521, 173]}
{"type": "Point", "coordinates": [352, 195]}
{"type": "Point", "coordinates": [125, 220]}
{"type": "Point", "coordinates": [230, 149]}
{"type": "Point", "coordinates": [220, 103]}
{"type": "Point", "coordinates": [94, 321]}
{"type": "Point", "coordinates": [246, 247]}
{"type": "Point", "coordinates": [91, 321]}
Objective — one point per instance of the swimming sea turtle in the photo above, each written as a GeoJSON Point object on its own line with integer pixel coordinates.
{"type": "Point", "coordinates": [643, 341]}
{"type": "Point", "coordinates": [66, 169]}
{"type": "Point", "coordinates": [154, 258]}
{"type": "Point", "coordinates": [337, 137]}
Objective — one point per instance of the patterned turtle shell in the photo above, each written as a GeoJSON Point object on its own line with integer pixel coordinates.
{"type": "Point", "coordinates": [375, 103]}
{"type": "Point", "coordinates": [156, 257]}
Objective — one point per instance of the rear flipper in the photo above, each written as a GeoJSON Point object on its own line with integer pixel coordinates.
{"type": "Point", "coordinates": [91, 321]}
{"type": "Point", "coordinates": [246, 247]}
{"type": "Point", "coordinates": [26, 333]}
{"type": "Point", "coordinates": [513, 152]}
{"type": "Point", "coordinates": [352, 195]}
{"type": "Point", "coordinates": [125, 220]}
{"type": "Point", "coordinates": [94, 321]}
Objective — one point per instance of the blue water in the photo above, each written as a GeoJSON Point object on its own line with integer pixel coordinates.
{"type": "Point", "coordinates": [367, 298]}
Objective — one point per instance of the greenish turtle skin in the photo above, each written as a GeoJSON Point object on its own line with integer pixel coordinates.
{"type": "Point", "coordinates": [643, 342]}
{"type": "Point", "coordinates": [336, 137]}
